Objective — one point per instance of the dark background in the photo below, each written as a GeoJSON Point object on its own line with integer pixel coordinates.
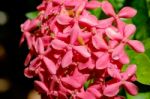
{"type": "Point", "coordinates": [12, 56]}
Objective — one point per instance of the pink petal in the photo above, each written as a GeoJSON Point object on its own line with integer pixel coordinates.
{"type": "Point", "coordinates": [136, 45]}
{"type": "Point", "coordinates": [131, 70]}
{"type": "Point", "coordinates": [95, 92]}
{"type": "Point", "coordinates": [33, 24]}
{"type": "Point", "coordinates": [120, 25]}
{"type": "Point", "coordinates": [50, 65]}
{"type": "Point", "coordinates": [57, 1]}
{"type": "Point", "coordinates": [112, 34]}
{"type": "Point", "coordinates": [39, 46]}
{"type": "Point", "coordinates": [127, 12]}
{"type": "Point", "coordinates": [131, 88]}
{"type": "Point", "coordinates": [34, 63]}
{"type": "Point", "coordinates": [108, 8]}
{"type": "Point", "coordinates": [111, 90]}
{"type": "Point", "coordinates": [67, 30]}
{"type": "Point", "coordinates": [133, 78]}
{"type": "Point", "coordinates": [79, 77]}
{"type": "Point", "coordinates": [58, 44]}
{"type": "Point", "coordinates": [46, 40]}
{"type": "Point", "coordinates": [48, 10]}
{"type": "Point", "coordinates": [89, 20]}
{"type": "Point", "coordinates": [86, 95]}
{"type": "Point", "coordinates": [113, 43]}
{"type": "Point", "coordinates": [70, 82]}
{"type": "Point", "coordinates": [89, 64]}
{"type": "Point", "coordinates": [124, 59]}
{"type": "Point", "coordinates": [54, 27]}
{"type": "Point", "coordinates": [80, 7]}
{"type": "Point", "coordinates": [74, 33]}
{"type": "Point", "coordinates": [119, 97]}
{"type": "Point", "coordinates": [93, 4]}
{"type": "Point", "coordinates": [86, 36]}
{"type": "Point", "coordinates": [105, 23]}
{"type": "Point", "coordinates": [63, 36]}
{"type": "Point", "coordinates": [102, 61]}
{"type": "Point", "coordinates": [129, 30]}
{"type": "Point", "coordinates": [67, 59]}
{"type": "Point", "coordinates": [25, 26]}
{"type": "Point", "coordinates": [64, 19]}
{"type": "Point", "coordinates": [116, 53]}
{"type": "Point", "coordinates": [98, 54]}
{"type": "Point", "coordinates": [98, 42]}
{"type": "Point", "coordinates": [82, 50]}
{"type": "Point", "coordinates": [29, 39]}
{"type": "Point", "coordinates": [62, 95]}
{"type": "Point", "coordinates": [28, 58]}
{"type": "Point", "coordinates": [28, 73]}
{"type": "Point", "coordinates": [71, 3]}
{"type": "Point", "coordinates": [22, 39]}
{"type": "Point", "coordinates": [42, 6]}
{"type": "Point", "coordinates": [113, 71]}
{"type": "Point", "coordinates": [41, 86]}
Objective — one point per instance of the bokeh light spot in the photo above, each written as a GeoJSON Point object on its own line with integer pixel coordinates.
{"type": "Point", "coordinates": [3, 18]}
{"type": "Point", "coordinates": [4, 85]}
{"type": "Point", "coordinates": [33, 95]}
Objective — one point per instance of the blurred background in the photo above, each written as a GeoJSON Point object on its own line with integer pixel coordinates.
{"type": "Point", "coordinates": [13, 84]}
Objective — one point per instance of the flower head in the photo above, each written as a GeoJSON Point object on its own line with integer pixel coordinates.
{"type": "Point", "coordinates": [70, 48]}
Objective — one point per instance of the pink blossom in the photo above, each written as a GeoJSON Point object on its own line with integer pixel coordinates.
{"type": "Point", "coordinates": [124, 79]}
{"type": "Point", "coordinates": [70, 48]}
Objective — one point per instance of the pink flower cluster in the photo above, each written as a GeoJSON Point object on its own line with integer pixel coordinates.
{"type": "Point", "coordinates": [69, 48]}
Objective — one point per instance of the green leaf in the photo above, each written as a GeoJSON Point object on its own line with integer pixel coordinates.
{"type": "Point", "coordinates": [117, 4]}
{"type": "Point", "coordinates": [128, 21]}
{"type": "Point", "coordinates": [144, 95]}
{"type": "Point", "coordinates": [32, 15]}
{"type": "Point", "coordinates": [86, 85]}
{"type": "Point", "coordinates": [96, 12]}
{"type": "Point", "coordinates": [141, 19]}
{"type": "Point", "coordinates": [143, 67]}
{"type": "Point", "coordinates": [148, 6]}
{"type": "Point", "coordinates": [147, 47]}
{"type": "Point", "coordinates": [142, 61]}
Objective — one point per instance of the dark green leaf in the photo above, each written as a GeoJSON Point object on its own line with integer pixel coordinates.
{"type": "Point", "coordinates": [141, 19]}
{"type": "Point", "coordinates": [148, 6]}
{"type": "Point", "coordinates": [96, 12]}
{"type": "Point", "coordinates": [117, 4]}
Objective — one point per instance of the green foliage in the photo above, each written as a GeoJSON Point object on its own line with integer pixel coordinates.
{"type": "Point", "coordinates": [86, 85]}
{"type": "Point", "coordinates": [32, 15]}
{"type": "Point", "coordinates": [141, 19]}
{"type": "Point", "coordinates": [143, 95]}
{"type": "Point", "coordinates": [146, 43]}
{"type": "Point", "coordinates": [96, 12]}
{"type": "Point", "coordinates": [143, 65]}
{"type": "Point", "coordinates": [117, 4]}
{"type": "Point", "coordinates": [148, 6]}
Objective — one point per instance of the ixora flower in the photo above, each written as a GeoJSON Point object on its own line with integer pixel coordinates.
{"type": "Point", "coordinates": [69, 48]}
